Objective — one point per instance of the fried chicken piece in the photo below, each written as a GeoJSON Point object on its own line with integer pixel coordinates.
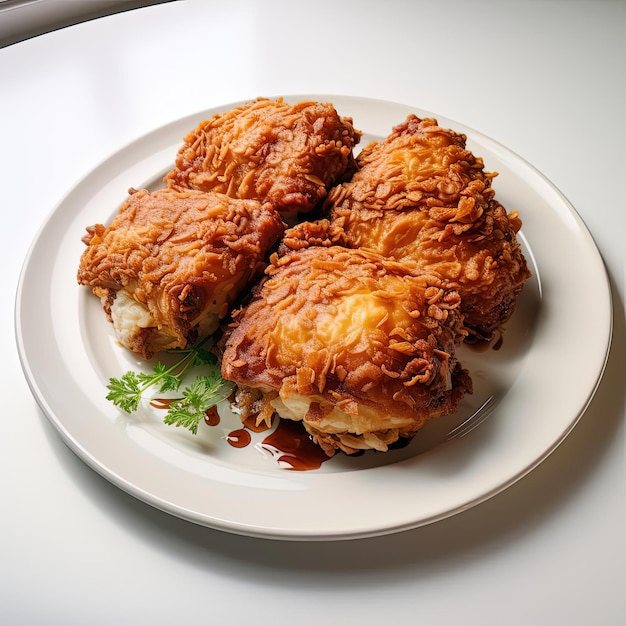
{"type": "Point", "coordinates": [272, 151]}
{"type": "Point", "coordinates": [358, 347]}
{"type": "Point", "coordinates": [305, 234]}
{"type": "Point", "coordinates": [422, 195]}
{"type": "Point", "coordinates": [172, 262]}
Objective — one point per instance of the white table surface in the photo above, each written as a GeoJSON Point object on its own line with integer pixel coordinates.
{"type": "Point", "coordinates": [546, 79]}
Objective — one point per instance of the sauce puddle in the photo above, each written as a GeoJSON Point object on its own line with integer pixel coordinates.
{"type": "Point", "coordinates": [239, 438]}
{"type": "Point", "coordinates": [292, 447]}
{"type": "Point", "coordinates": [289, 444]}
{"type": "Point", "coordinates": [211, 416]}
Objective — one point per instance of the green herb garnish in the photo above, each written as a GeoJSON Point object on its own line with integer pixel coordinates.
{"type": "Point", "coordinates": [204, 391]}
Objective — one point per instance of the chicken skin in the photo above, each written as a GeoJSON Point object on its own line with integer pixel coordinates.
{"type": "Point", "coordinates": [171, 263]}
{"type": "Point", "coordinates": [358, 347]}
{"type": "Point", "coordinates": [421, 195]}
{"type": "Point", "coordinates": [271, 151]}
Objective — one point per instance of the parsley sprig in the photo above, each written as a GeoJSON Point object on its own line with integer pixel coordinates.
{"type": "Point", "coordinates": [205, 390]}
{"type": "Point", "coordinates": [202, 394]}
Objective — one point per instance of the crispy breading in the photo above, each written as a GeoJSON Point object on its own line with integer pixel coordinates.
{"type": "Point", "coordinates": [269, 150]}
{"type": "Point", "coordinates": [421, 195]}
{"type": "Point", "coordinates": [358, 347]}
{"type": "Point", "coordinates": [171, 263]}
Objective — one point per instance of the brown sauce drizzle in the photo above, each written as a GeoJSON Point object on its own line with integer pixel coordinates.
{"type": "Point", "coordinates": [290, 443]}
{"type": "Point", "coordinates": [295, 447]}
{"type": "Point", "coordinates": [211, 416]}
{"type": "Point", "coordinates": [162, 403]}
{"type": "Point", "coordinates": [239, 438]}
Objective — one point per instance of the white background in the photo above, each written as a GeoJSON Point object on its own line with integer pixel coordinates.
{"type": "Point", "coordinates": [22, 19]}
{"type": "Point", "coordinates": [546, 79]}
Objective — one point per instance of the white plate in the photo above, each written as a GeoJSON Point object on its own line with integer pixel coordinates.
{"type": "Point", "coordinates": [536, 387]}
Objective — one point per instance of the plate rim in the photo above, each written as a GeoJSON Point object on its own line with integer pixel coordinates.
{"type": "Point", "coordinates": [278, 533]}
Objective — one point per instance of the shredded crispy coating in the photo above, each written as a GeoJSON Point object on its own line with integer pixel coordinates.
{"type": "Point", "coordinates": [358, 347]}
{"type": "Point", "coordinates": [421, 195]}
{"type": "Point", "coordinates": [272, 151]}
{"type": "Point", "coordinates": [171, 262]}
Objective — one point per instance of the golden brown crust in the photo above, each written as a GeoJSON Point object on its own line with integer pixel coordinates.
{"type": "Point", "coordinates": [422, 195]}
{"type": "Point", "coordinates": [272, 151]}
{"type": "Point", "coordinates": [352, 330]}
{"type": "Point", "coordinates": [359, 347]}
{"type": "Point", "coordinates": [176, 260]}
{"type": "Point", "coordinates": [321, 233]}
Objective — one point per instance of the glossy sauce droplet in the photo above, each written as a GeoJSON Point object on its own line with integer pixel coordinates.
{"type": "Point", "coordinates": [162, 403]}
{"type": "Point", "coordinates": [211, 416]}
{"type": "Point", "coordinates": [296, 451]}
{"type": "Point", "coordinates": [239, 438]}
